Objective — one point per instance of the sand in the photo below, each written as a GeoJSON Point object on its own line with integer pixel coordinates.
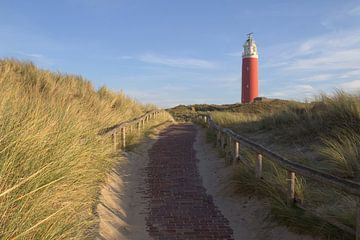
{"type": "Point", "coordinates": [122, 207]}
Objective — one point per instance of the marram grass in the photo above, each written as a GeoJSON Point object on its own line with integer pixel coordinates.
{"type": "Point", "coordinates": [52, 162]}
{"type": "Point", "coordinates": [330, 128]}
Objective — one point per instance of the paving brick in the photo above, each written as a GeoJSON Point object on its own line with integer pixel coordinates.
{"type": "Point", "coordinates": [179, 207]}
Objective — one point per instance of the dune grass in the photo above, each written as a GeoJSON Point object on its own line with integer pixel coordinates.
{"type": "Point", "coordinates": [330, 125]}
{"type": "Point", "coordinates": [329, 129]}
{"type": "Point", "coordinates": [52, 162]}
{"type": "Point", "coordinates": [230, 118]}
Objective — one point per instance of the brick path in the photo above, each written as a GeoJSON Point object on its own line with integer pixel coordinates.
{"type": "Point", "coordinates": [179, 207]}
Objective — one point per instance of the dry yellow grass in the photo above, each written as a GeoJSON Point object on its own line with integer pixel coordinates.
{"type": "Point", "coordinates": [51, 159]}
{"type": "Point", "coordinates": [328, 129]}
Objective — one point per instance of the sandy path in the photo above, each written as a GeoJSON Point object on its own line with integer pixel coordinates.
{"type": "Point", "coordinates": [124, 201]}
{"type": "Point", "coordinates": [247, 216]}
{"type": "Point", "coordinates": [123, 205]}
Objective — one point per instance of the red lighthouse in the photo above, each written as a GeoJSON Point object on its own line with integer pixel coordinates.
{"type": "Point", "coordinates": [250, 85]}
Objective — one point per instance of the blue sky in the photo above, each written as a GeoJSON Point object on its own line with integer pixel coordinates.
{"type": "Point", "coordinates": [171, 52]}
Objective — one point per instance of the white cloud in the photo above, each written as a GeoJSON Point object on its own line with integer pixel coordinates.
{"type": "Point", "coordinates": [327, 61]}
{"type": "Point", "coordinates": [337, 49]}
{"type": "Point", "coordinates": [317, 77]}
{"type": "Point", "coordinates": [37, 58]}
{"type": "Point", "coordinates": [168, 96]}
{"type": "Point", "coordinates": [331, 60]}
{"type": "Point", "coordinates": [176, 62]}
{"type": "Point", "coordinates": [354, 11]}
{"type": "Point", "coordinates": [350, 74]}
{"type": "Point", "coordinates": [352, 86]}
{"type": "Point", "coordinates": [295, 92]}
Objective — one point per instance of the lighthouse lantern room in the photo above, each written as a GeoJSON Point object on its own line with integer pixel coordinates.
{"type": "Point", "coordinates": [250, 85]}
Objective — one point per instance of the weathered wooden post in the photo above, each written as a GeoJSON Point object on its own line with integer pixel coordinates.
{"type": "Point", "coordinates": [218, 138]}
{"type": "Point", "coordinates": [291, 188]}
{"type": "Point", "coordinates": [123, 137]}
{"type": "Point", "coordinates": [236, 152]}
{"type": "Point", "coordinates": [205, 120]}
{"type": "Point", "coordinates": [223, 142]}
{"type": "Point", "coordinates": [259, 166]}
{"type": "Point", "coordinates": [138, 126]}
{"type": "Point", "coordinates": [357, 226]}
{"type": "Point", "coordinates": [229, 148]}
{"type": "Point", "coordinates": [114, 140]}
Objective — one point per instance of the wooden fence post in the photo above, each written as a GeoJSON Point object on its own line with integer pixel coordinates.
{"type": "Point", "coordinates": [236, 152]}
{"type": "Point", "coordinates": [357, 226]}
{"type": "Point", "coordinates": [219, 143]}
{"type": "Point", "coordinates": [138, 126]}
{"type": "Point", "coordinates": [229, 149]}
{"type": "Point", "coordinates": [259, 166]}
{"type": "Point", "coordinates": [222, 140]}
{"type": "Point", "coordinates": [114, 140]}
{"type": "Point", "coordinates": [218, 138]}
{"type": "Point", "coordinates": [123, 137]}
{"type": "Point", "coordinates": [291, 188]}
